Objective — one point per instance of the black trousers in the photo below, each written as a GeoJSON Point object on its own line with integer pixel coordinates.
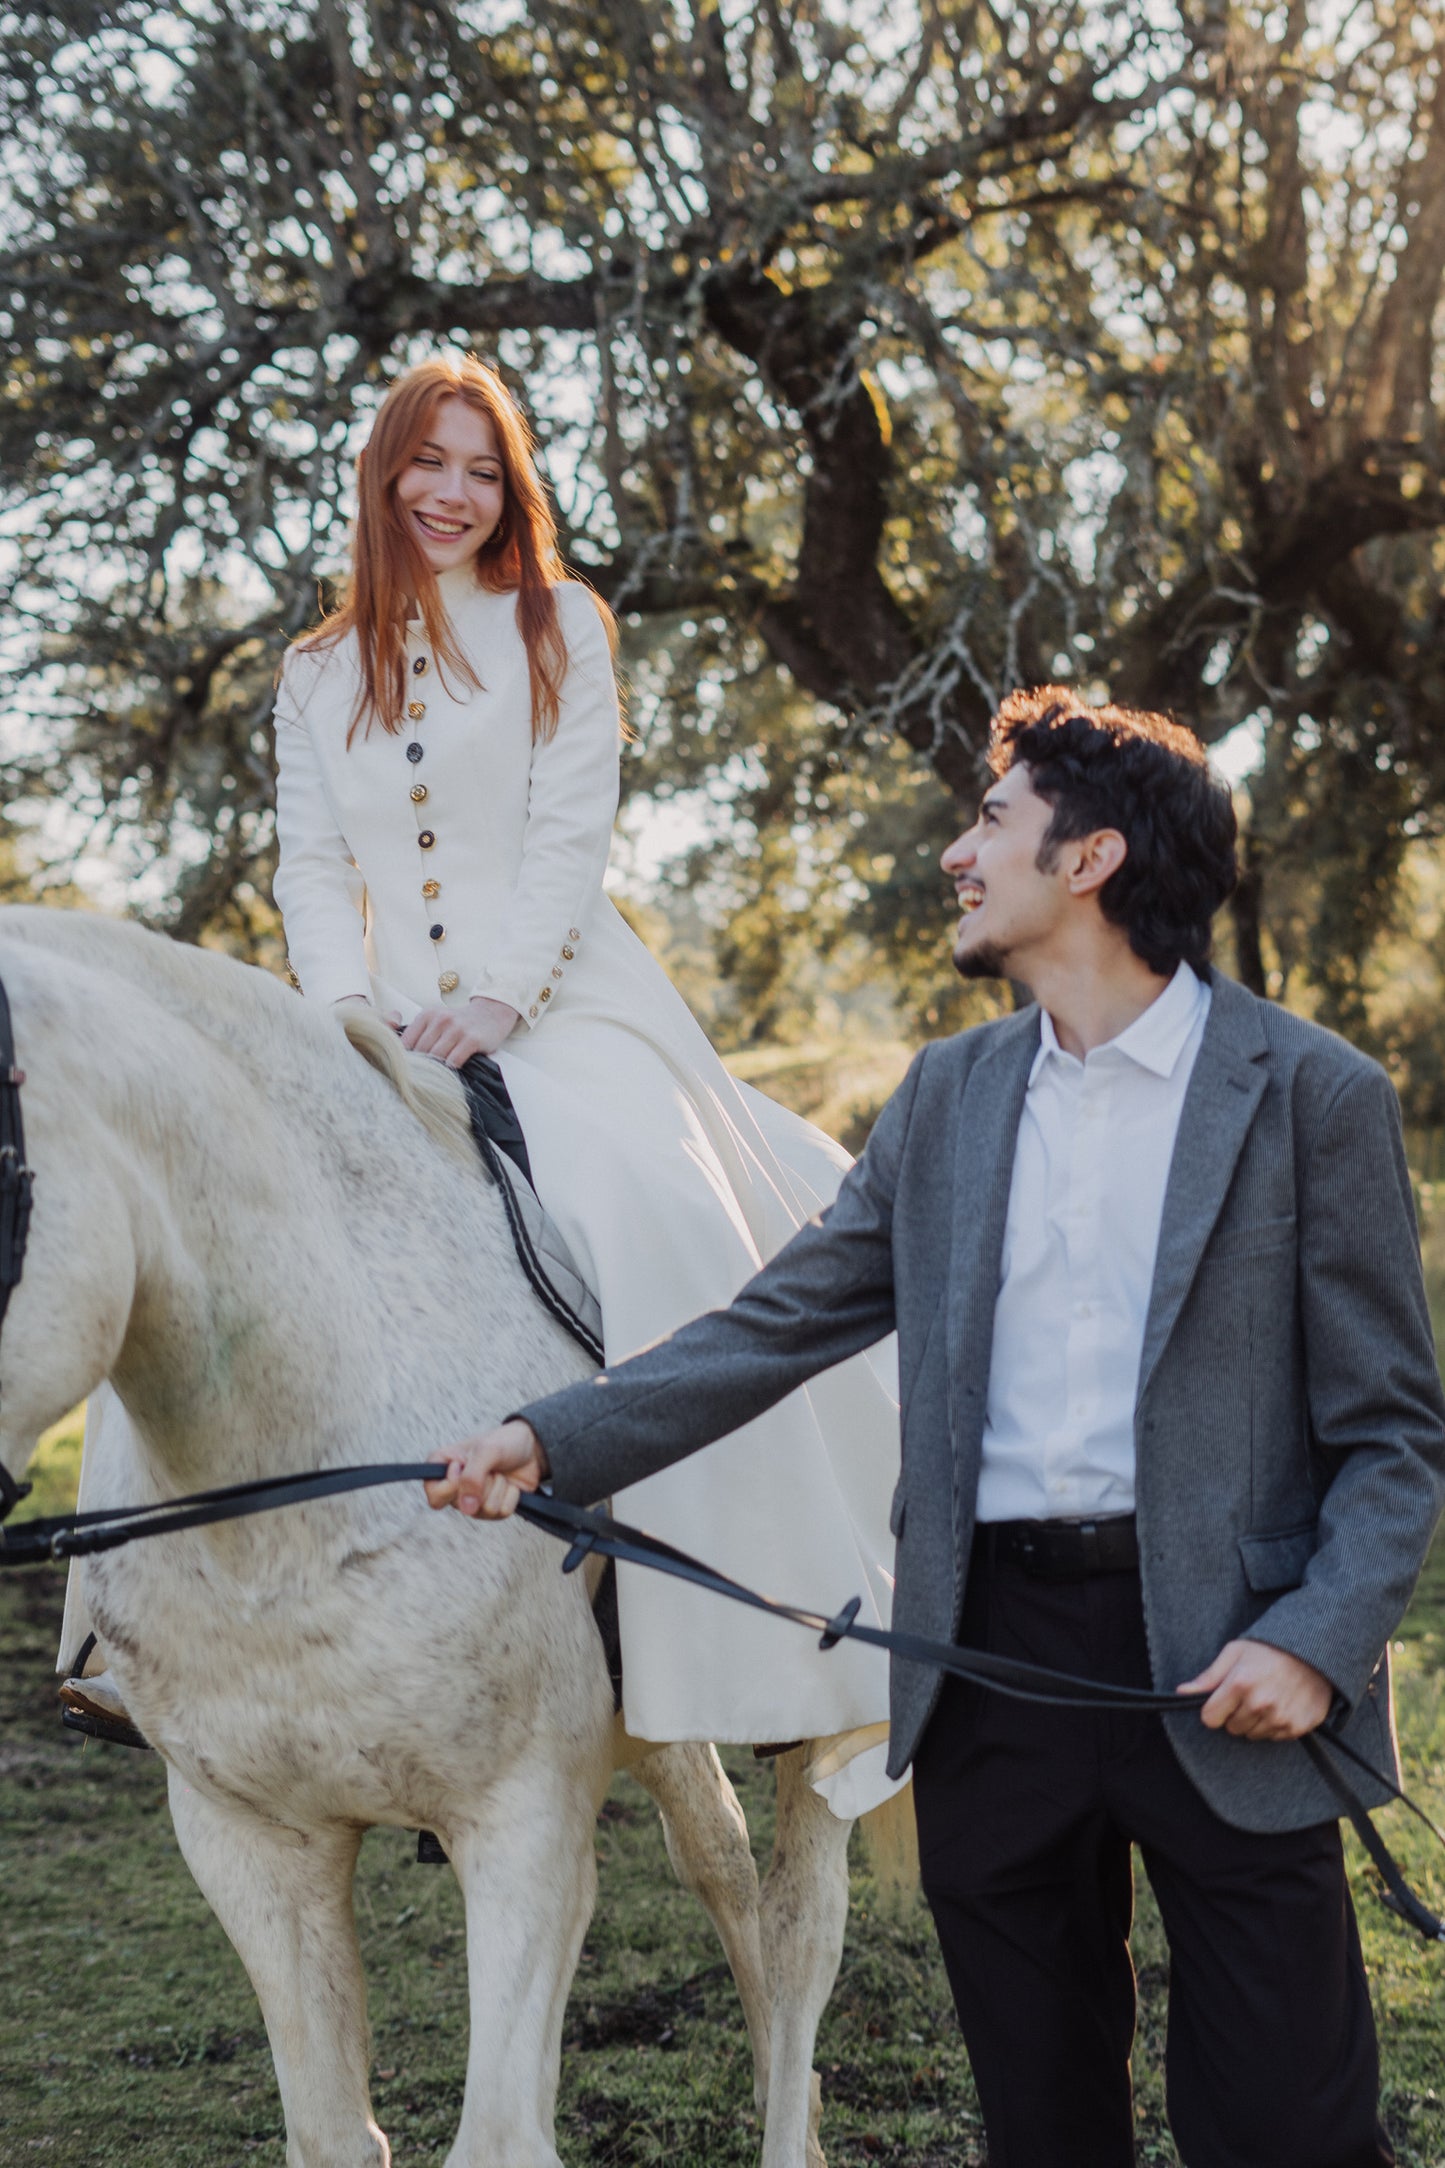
{"type": "Point", "coordinates": [1025, 1820]}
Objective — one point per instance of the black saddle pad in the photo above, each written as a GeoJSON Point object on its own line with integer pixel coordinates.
{"type": "Point", "coordinates": [493, 1115]}
{"type": "Point", "coordinates": [489, 1104]}
{"type": "Point", "coordinates": [605, 1619]}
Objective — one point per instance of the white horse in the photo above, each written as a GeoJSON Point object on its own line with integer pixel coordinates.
{"type": "Point", "coordinates": [285, 1258]}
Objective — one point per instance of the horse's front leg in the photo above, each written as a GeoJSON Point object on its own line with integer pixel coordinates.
{"type": "Point", "coordinates": [804, 1915]}
{"type": "Point", "coordinates": [285, 1901]}
{"type": "Point", "coordinates": [527, 1863]}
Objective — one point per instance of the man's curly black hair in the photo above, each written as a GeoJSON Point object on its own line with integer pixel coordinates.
{"type": "Point", "coordinates": [1146, 776]}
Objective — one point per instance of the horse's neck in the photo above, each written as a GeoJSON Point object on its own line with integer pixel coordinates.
{"type": "Point", "coordinates": [313, 1285]}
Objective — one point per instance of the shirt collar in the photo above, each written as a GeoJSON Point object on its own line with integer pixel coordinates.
{"type": "Point", "coordinates": [1155, 1039]}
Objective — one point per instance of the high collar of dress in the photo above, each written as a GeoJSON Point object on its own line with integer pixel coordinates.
{"type": "Point", "coordinates": [1154, 1041]}
{"type": "Point", "coordinates": [457, 587]}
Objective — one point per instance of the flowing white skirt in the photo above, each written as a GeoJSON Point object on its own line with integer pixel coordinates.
{"type": "Point", "coordinates": [672, 1184]}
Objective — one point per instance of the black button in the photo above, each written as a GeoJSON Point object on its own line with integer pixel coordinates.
{"type": "Point", "coordinates": [427, 838]}
{"type": "Point", "coordinates": [413, 752]}
{"type": "Point", "coordinates": [435, 933]}
{"type": "Point", "coordinates": [418, 668]}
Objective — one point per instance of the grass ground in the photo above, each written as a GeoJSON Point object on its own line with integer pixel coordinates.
{"type": "Point", "coordinates": [128, 2031]}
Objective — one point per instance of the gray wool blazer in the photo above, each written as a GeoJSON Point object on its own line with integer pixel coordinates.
{"type": "Point", "coordinates": [1289, 1424]}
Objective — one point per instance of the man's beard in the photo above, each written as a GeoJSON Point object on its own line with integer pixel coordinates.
{"type": "Point", "coordinates": [987, 961]}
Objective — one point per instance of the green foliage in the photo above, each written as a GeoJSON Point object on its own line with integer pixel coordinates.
{"type": "Point", "coordinates": [880, 361]}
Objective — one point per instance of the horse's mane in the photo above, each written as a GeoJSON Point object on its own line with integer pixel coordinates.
{"type": "Point", "coordinates": [431, 1090]}
{"type": "Point", "coordinates": [248, 1011]}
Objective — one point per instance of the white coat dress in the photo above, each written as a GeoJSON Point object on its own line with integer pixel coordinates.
{"type": "Point", "coordinates": [460, 858]}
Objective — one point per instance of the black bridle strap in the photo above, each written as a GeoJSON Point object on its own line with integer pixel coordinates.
{"type": "Point", "coordinates": [81, 1535]}
{"type": "Point", "coordinates": [1398, 1894]}
{"type": "Point", "coordinates": [16, 1185]}
{"type": "Point", "coordinates": [588, 1530]}
{"type": "Point", "coordinates": [585, 1530]}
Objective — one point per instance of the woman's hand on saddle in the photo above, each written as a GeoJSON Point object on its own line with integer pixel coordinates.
{"type": "Point", "coordinates": [454, 1035]}
{"type": "Point", "coordinates": [486, 1475]}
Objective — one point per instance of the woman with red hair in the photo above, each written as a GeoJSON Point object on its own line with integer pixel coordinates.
{"type": "Point", "coordinates": [447, 779]}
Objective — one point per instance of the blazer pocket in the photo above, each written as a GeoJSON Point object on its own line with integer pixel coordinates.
{"type": "Point", "coordinates": [897, 1509]}
{"type": "Point", "coordinates": [1276, 1562]}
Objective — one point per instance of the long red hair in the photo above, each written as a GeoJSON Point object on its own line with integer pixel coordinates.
{"type": "Point", "coordinates": [388, 567]}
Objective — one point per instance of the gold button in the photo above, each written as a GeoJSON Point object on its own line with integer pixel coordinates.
{"type": "Point", "coordinates": [533, 1010]}
{"type": "Point", "coordinates": [418, 794]}
{"type": "Point", "coordinates": [416, 709]}
{"type": "Point", "coordinates": [573, 934]}
{"type": "Point", "coordinates": [418, 668]}
{"type": "Point", "coordinates": [449, 982]}
{"type": "Point", "coordinates": [427, 838]}
{"type": "Point", "coordinates": [546, 994]}
{"type": "Point", "coordinates": [431, 888]}
{"type": "Point", "coordinates": [568, 954]}
{"type": "Point", "coordinates": [556, 971]}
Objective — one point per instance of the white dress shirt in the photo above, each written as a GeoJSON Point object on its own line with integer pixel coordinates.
{"type": "Point", "coordinates": [1090, 1166]}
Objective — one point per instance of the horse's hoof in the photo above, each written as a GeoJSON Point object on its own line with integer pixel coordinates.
{"type": "Point", "coordinates": [429, 1852]}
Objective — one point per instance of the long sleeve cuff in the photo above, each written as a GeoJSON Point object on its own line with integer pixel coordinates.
{"type": "Point", "coordinates": [529, 997]}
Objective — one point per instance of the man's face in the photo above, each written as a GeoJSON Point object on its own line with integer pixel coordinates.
{"type": "Point", "coordinates": [1010, 908]}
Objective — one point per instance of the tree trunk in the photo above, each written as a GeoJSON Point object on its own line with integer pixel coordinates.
{"type": "Point", "coordinates": [1244, 909]}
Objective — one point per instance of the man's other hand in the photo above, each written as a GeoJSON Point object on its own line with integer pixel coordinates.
{"type": "Point", "coordinates": [1259, 1692]}
{"type": "Point", "coordinates": [486, 1475]}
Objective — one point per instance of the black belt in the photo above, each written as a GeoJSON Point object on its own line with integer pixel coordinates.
{"type": "Point", "coordinates": [1060, 1550]}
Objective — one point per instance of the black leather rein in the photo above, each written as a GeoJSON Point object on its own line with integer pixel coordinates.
{"type": "Point", "coordinates": [78, 1535]}
{"type": "Point", "coordinates": [16, 1185]}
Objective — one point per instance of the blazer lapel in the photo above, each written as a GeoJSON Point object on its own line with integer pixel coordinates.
{"type": "Point", "coordinates": [1230, 1074]}
{"type": "Point", "coordinates": [988, 1121]}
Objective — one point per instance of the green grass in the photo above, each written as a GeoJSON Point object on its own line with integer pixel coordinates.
{"type": "Point", "coordinates": [54, 1469]}
{"type": "Point", "coordinates": [128, 2031]}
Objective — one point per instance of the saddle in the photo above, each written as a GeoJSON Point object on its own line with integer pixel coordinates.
{"type": "Point", "coordinates": [541, 1251]}
{"type": "Point", "coordinates": [551, 1271]}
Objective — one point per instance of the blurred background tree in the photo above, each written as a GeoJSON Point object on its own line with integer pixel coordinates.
{"type": "Point", "coordinates": [883, 357]}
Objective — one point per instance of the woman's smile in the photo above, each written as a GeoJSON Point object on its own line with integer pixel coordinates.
{"type": "Point", "coordinates": [445, 530]}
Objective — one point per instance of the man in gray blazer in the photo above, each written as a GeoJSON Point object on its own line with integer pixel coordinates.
{"type": "Point", "coordinates": [1171, 1415]}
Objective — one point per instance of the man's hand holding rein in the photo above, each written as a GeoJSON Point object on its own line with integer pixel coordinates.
{"type": "Point", "coordinates": [1257, 1691]}
{"type": "Point", "coordinates": [486, 1475]}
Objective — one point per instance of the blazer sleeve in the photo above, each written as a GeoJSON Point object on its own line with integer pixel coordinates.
{"type": "Point", "coordinates": [571, 808]}
{"type": "Point", "coordinates": [1373, 1389]}
{"type": "Point", "coordinates": [318, 888]}
{"type": "Point", "coordinates": [827, 1294]}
